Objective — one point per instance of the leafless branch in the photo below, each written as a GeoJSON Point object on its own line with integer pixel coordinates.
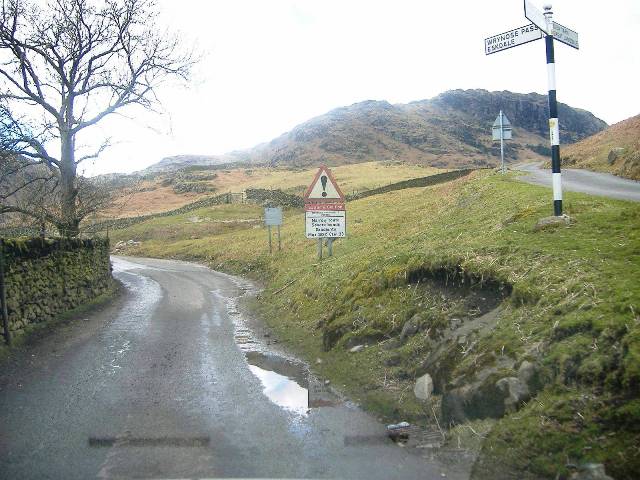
{"type": "Point", "coordinates": [77, 62]}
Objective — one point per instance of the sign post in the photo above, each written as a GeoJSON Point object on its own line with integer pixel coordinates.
{"type": "Point", "coordinates": [550, 30]}
{"type": "Point", "coordinates": [325, 213]}
{"type": "Point", "coordinates": [502, 131]}
{"type": "Point", "coordinates": [273, 217]}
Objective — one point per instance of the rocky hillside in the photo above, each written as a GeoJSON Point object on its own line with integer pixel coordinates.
{"type": "Point", "coordinates": [450, 130]}
{"type": "Point", "coordinates": [178, 162]}
{"type": "Point", "coordinates": [615, 150]}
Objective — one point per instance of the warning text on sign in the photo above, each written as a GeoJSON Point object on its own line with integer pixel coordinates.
{"type": "Point", "coordinates": [325, 224]}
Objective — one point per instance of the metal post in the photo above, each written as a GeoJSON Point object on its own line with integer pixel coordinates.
{"type": "Point", "coordinates": [279, 242]}
{"type": "Point", "coordinates": [330, 247]}
{"type": "Point", "coordinates": [3, 297]}
{"type": "Point", "coordinates": [501, 143]}
{"type": "Point", "coordinates": [320, 249]}
{"type": "Point", "coordinates": [554, 126]}
{"type": "Point", "coordinates": [269, 229]}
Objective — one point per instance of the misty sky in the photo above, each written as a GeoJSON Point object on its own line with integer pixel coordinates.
{"type": "Point", "coordinates": [269, 65]}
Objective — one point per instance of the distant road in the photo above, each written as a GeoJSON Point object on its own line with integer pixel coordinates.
{"type": "Point", "coordinates": [585, 181]}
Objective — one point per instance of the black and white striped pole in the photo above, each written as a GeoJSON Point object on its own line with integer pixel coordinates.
{"type": "Point", "coordinates": [554, 126]}
{"type": "Point", "coordinates": [542, 25]}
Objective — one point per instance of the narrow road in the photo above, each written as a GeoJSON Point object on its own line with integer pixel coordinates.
{"type": "Point", "coordinates": [585, 181]}
{"type": "Point", "coordinates": [171, 381]}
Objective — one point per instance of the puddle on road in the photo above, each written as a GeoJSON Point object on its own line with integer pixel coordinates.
{"type": "Point", "coordinates": [289, 384]}
{"type": "Point", "coordinates": [282, 390]}
{"type": "Point", "coordinates": [285, 381]}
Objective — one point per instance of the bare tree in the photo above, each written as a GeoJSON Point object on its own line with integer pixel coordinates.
{"type": "Point", "coordinates": [65, 67]}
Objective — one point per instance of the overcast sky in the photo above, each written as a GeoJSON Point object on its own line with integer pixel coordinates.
{"type": "Point", "coordinates": [270, 65]}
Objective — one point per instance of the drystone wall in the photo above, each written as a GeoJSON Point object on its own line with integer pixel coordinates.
{"type": "Point", "coordinates": [45, 278]}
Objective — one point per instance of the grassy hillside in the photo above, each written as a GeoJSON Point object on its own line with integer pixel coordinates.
{"type": "Point", "coordinates": [150, 196]}
{"type": "Point", "coordinates": [490, 303]}
{"type": "Point", "coordinates": [614, 150]}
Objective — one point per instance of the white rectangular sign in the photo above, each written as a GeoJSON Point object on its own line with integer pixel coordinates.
{"type": "Point", "coordinates": [273, 216]}
{"type": "Point", "coordinates": [506, 133]}
{"type": "Point", "coordinates": [535, 15]}
{"type": "Point", "coordinates": [565, 35]}
{"type": "Point", "coordinates": [325, 224]}
{"type": "Point", "coordinates": [512, 38]}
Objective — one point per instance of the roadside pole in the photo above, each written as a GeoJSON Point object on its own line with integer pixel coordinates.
{"type": "Point", "coordinates": [554, 126]}
{"type": "Point", "coordinates": [501, 130]}
{"type": "Point", "coordinates": [273, 217]}
{"type": "Point", "coordinates": [319, 248]}
{"type": "Point", "coordinates": [542, 25]}
{"type": "Point", "coordinates": [3, 297]}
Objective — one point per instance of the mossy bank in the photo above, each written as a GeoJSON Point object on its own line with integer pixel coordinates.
{"type": "Point", "coordinates": [534, 334]}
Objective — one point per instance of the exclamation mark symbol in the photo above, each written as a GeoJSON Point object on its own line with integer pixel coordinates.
{"type": "Point", "coordinates": [323, 180]}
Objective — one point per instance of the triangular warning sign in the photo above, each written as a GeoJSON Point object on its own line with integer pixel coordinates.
{"type": "Point", "coordinates": [324, 188]}
{"type": "Point", "coordinates": [505, 122]}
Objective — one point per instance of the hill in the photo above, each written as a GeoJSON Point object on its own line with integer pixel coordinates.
{"type": "Point", "coordinates": [615, 150]}
{"type": "Point", "coordinates": [178, 162]}
{"type": "Point", "coordinates": [451, 130]}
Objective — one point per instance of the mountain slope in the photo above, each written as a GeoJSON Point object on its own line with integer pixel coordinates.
{"type": "Point", "coordinates": [615, 150]}
{"type": "Point", "coordinates": [450, 130]}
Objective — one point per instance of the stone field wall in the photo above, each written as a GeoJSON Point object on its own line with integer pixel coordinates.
{"type": "Point", "coordinates": [45, 278]}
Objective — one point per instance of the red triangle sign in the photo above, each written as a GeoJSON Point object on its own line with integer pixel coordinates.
{"type": "Point", "coordinates": [324, 188]}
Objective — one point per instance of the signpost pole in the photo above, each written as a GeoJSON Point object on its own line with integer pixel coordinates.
{"type": "Point", "coordinates": [279, 243]}
{"type": "Point", "coordinates": [319, 248]}
{"type": "Point", "coordinates": [554, 127]}
{"type": "Point", "coordinates": [330, 247]}
{"type": "Point", "coordinates": [269, 229]}
{"type": "Point", "coordinates": [501, 142]}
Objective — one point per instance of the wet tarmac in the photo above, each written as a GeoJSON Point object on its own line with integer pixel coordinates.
{"type": "Point", "coordinates": [173, 381]}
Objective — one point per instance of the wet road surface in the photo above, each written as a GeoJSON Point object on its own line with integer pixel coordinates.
{"type": "Point", "coordinates": [585, 181]}
{"type": "Point", "coordinates": [168, 382]}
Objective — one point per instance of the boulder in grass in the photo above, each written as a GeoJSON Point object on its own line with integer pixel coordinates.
{"type": "Point", "coordinates": [423, 387]}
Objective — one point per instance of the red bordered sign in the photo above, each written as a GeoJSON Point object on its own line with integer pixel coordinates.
{"type": "Point", "coordinates": [324, 188]}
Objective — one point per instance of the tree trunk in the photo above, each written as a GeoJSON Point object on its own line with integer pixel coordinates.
{"type": "Point", "coordinates": [69, 192]}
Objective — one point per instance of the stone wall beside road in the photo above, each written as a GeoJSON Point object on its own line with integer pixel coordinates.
{"type": "Point", "coordinates": [45, 278]}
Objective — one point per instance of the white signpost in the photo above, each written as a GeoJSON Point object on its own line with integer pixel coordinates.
{"type": "Point", "coordinates": [512, 38]}
{"type": "Point", "coordinates": [273, 217]}
{"type": "Point", "coordinates": [502, 131]}
{"type": "Point", "coordinates": [549, 30]}
{"type": "Point", "coordinates": [565, 35]}
{"type": "Point", "coordinates": [535, 16]}
{"type": "Point", "coordinates": [325, 213]}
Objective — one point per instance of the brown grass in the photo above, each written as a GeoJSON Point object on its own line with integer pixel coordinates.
{"type": "Point", "coordinates": [593, 152]}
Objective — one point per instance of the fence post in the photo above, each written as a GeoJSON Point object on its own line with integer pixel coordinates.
{"type": "Point", "coordinates": [3, 297]}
